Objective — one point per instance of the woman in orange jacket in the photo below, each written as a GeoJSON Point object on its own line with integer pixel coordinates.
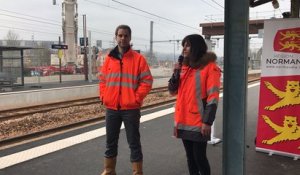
{"type": "Point", "coordinates": [197, 98]}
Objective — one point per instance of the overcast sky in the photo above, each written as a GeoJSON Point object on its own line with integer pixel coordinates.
{"type": "Point", "coordinates": [41, 20]}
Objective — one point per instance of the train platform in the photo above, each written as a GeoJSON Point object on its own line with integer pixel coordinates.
{"type": "Point", "coordinates": [81, 151]}
{"type": "Point", "coordinates": [48, 85]}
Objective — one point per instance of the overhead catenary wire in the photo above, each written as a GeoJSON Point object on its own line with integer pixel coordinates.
{"type": "Point", "coordinates": [217, 3]}
{"type": "Point", "coordinates": [139, 38]}
{"type": "Point", "coordinates": [175, 28]}
{"type": "Point", "coordinates": [97, 31]}
{"type": "Point", "coordinates": [27, 15]}
{"type": "Point", "coordinates": [48, 21]}
{"type": "Point", "coordinates": [115, 8]}
{"type": "Point", "coordinates": [59, 24]}
{"type": "Point", "coordinates": [162, 22]}
{"type": "Point", "coordinates": [55, 23]}
{"type": "Point", "coordinates": [211, 5]}
{"type": "Point", "coordinates": [16, 28]}
{"type": "Point", "coordinates": [34, 20]}
{"type": "Point", "coordinates": [12, 21]}
{"type": "Point", "coordinates": [152, 14]}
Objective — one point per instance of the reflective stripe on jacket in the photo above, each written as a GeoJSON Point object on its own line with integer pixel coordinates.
{"type": "Point", "coordinates": [197, 98]}
{"type": "Point", "coordinates": [124, 82]}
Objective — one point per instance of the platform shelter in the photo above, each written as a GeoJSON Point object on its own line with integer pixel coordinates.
{"type": "Point", "coordinates": [12, 65]}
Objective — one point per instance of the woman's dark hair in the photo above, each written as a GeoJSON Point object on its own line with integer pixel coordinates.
{"type": "Point", "coordinates": [125, 27]}
{"type": "Point", "coordinates": [198, 48]}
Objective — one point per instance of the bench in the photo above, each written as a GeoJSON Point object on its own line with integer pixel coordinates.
{"type": "Point", "coordinates": [6, 79]}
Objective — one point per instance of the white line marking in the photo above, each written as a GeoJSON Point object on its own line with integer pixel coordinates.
{"type": "Point", "coordinates": [42, 150]}
{"type": "Point", "coordinates": [249, 86]}
{"type": "Point", "coordinates": [253, 85]}
{"type": "Point", "coordinates": [38, 151]}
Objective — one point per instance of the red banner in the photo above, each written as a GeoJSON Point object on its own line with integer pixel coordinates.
{"type": "Point", "coordinates": [278, 127]}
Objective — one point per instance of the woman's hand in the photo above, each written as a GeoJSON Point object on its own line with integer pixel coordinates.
{"type": "Point", "coordinates": [176, 67]}
{"type": "Point", "coordinates": [205, 130]}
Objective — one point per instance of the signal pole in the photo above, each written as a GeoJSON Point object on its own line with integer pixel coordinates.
{"type": "Point", "coordinates": [85, 61]}
{"type": "Point", "coordinates": [59, 54]}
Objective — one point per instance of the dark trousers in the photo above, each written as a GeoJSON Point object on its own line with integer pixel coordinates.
{"type": "Point", "coordinates": [196, 157]}
{"type": "Point", "coordinates": [131, 119]}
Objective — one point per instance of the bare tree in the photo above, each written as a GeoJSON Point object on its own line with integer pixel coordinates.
{"type": "Point", "coordinates": [12, 38]}
{"type": "Point", "coordinates": [43, 53]}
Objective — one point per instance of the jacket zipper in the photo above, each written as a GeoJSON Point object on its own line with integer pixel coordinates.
{"type": "Point", "coordinates": [120, 85]}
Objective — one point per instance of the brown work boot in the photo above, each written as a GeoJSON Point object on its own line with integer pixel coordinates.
{"type": "Point", "coordinates": [137, 168]}
{"type": "Point", "coordinates": [109, 166]}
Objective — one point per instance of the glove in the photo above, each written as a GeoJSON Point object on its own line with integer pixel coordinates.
{"type": "Point", "coordinates": [180, 60]}
{"type": "Point", "coordinates": [173, 83]}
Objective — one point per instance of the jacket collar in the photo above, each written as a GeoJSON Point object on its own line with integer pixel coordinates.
{"type": "Point", "coordinates": [200, 63]}
{"type": "Point", "coordinates": [115, 53]}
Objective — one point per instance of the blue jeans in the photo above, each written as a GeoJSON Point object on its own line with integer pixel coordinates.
{"type": "Point", "coordinates": [131, 119]}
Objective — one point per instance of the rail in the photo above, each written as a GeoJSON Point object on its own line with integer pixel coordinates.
{"type": "Point", "coordinates": [20, 112]}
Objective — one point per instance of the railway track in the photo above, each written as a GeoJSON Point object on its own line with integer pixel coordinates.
{"type": "Point", "coordinates": [21, 112]}
{"type": "Point", "coordinates": [43, 108]}
{"type": "Point", "coordinates": [93, 120]}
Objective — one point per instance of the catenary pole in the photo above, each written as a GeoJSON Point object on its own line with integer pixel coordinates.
{"type": "Point", "coordinates": [295, 4]}
{"type": "Point", "coordinates": [151, 42]}
{"type": "Point", "coordinates": [59, 59]}
{"type": "Point", "coordinates": [85, 60]}
{"type": "Point", "coordinates": [90, 76]}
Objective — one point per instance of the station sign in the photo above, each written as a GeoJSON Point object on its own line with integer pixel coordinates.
{"type": "Point", "coordinates": [59, 46]}
{"type": "Point", "coordinates": [81, 41]}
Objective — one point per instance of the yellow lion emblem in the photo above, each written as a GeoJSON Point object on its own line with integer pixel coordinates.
{"type": "Point", "coordinates": [289, 131]}
{"type": "Point", "coordinates": [291, 95]}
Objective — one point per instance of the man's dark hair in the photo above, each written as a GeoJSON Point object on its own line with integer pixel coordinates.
{"type": "Point", "coordinates": [126, 27]}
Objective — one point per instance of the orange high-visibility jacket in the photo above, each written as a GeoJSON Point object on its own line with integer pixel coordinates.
{"type": "Point", "coordinates": [197, 99]}
{"type": "Point", "coordinates": [124, 82]}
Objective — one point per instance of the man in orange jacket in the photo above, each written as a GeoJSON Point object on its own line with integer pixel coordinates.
{"type": "Point", "coordinates": [125, 80]}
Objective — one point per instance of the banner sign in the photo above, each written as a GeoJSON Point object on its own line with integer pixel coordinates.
{"type": "Point", "coordinates": [278, 127]}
